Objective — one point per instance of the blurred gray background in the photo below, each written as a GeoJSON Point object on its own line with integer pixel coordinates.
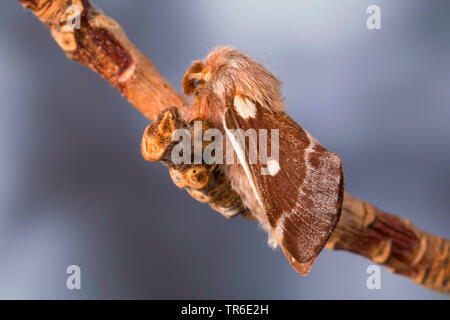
{"type": "Point", "coordinates": [75, 190]}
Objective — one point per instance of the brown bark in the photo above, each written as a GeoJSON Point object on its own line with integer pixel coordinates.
{"type": "Point", "coordinates": [102, 45]}
{"type": "Point", "coordinates": [393, 242]}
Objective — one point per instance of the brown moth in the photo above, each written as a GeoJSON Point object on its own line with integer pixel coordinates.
{"type": "Point", "coordinates": [299, 197]}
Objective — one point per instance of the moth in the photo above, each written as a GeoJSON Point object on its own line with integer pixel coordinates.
{"type": "Point", "coordinates": [299, 201]}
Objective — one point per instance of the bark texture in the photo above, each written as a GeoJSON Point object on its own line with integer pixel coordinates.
{"type": "Point", "coordinates": [101, 44]}
{"type": "Point", "coordinates": [393, 242]}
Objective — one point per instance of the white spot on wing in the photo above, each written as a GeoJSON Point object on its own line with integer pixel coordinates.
{"type": "Point", "coordinates": [273, 166]}
{"type": "Point", "coordinates": [244, 107]}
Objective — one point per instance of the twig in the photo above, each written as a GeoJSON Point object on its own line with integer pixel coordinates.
{"type": "Point", "coordinates": [394, 242]}
{"type": "Point", "coordinates": [102, 45]}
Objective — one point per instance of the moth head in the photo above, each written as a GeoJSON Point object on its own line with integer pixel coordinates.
{"type": "Point", "coordinates": [195, 78]}
{"type": "Point", "coordinates": [226, 72]}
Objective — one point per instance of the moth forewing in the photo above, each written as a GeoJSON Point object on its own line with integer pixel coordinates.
{"type": "Point", "coordinates": [301, 195]}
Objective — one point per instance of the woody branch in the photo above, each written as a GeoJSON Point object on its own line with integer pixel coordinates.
{"type": "Point", "coordinates": [363, 229]}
